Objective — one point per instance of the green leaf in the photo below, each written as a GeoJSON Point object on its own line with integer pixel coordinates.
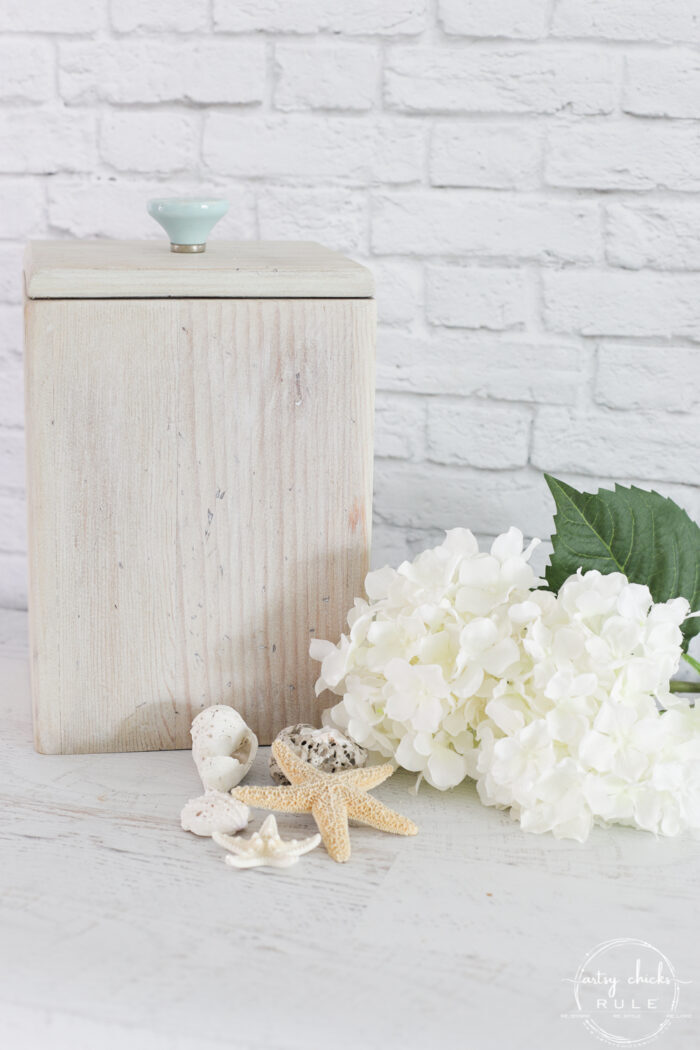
{"type": "Point", "coordinates": [646, 536]}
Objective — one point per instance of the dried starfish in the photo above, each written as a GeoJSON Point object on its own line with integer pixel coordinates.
{"type": "Point", "coordinates": [264, 847]}
{"type": "Point", "coordinates": [331, 798]}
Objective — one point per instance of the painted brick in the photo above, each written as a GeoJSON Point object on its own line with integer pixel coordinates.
{"type": "Point", "coordinates": [23, 204]}
{"type": "Point", "coordinates": [143, 70]}
{"type": "Point", "coordinates": [648, 377]}
{"type": "Point", "coordinates": [11, 335]}
{"type": "Point", "coordinates": [461, 363]}
{"type": "Point", "coordinates": [399, 290]}
{"type": "Point", "coordinates": [180, 16]}
{"type": "Point", "coordinates": [657, 20]}
{"type": "Point", "coordinates": [334, 76]}
{"type": "Point", "coordinates": [624, 155]}
{"type": "Point", "coordinates": [626, 304]}
{"type": "Point", "coordinates": [47, 16]}
{"type": "Point", "coordinates": [493, 155]}
{"type": "Point", "coordinates": [149, 141]}
{"type": "Point", "coordinates": [336, 217]}
{"type": "Point", "coordinates": [666, 84]}
{"type": "Point", "coordinates": [478, 433]}
{"type": "Point", "coordinates": [42, 141]}
{"type": "Point", "coordinates": [114, 206]}
{"type": "Point", "coordinates": [11, 397]}
{"type": "Point", "coordinates": [315, 147]}
{"type": "Point", "coordinates": [433, 496]}
{"type": "Point", "coordinates": [13, 523]}
{"type": "Point", "coordinates": [507, 80]}
{"type": "Point", "coordinates": [456, 222]}
{"type": "Point", "coordinates": [11, 459]}
{"type": "Point", "coordinates": [26, 70]}
{"type": "Point", "coordinates": [526, 19]}
{"type": "Point", "coordinates": [310, 16]}
{"type": "Point", "coordinates": [618, 444]}
{"type": "Point", "coordinates": [399, 426]}
{"type": "Point", "coordinates": [467, 297]}
{"type": "Point", "coordinates": [389, 545]}
{"type": "Point", "coordinates": [663, 236]}
{"type": "Point", "coordinates": [13, 581]}
{"type": "Point", "coordinates": [11, 287]}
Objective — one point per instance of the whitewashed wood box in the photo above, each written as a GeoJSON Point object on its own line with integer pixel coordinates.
{"type": "Point", "coordinates": [199, 451]}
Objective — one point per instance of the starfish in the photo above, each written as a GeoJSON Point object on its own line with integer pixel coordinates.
{"type": "Point", "coordinates": [264, 847]}
{"type": "Point", "coordinates": [331, 798]}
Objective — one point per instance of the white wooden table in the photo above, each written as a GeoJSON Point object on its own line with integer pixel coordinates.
{"type": "Point", "coordinates": [118, 930]}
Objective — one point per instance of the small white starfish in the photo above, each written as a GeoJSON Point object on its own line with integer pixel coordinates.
{"type": "Point", "coordinates": [264, 847]}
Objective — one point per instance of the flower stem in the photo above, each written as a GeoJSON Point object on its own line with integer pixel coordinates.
{"type": "Point", "coordinates": [677, 686]}
{"type": "Point", "coordinates": [692, 661]}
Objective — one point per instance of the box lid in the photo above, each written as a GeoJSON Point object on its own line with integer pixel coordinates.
{"type": "Point", "coordinates": [84, 269]}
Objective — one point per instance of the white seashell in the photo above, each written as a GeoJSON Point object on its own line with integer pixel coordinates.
{"type": "Point", "coordinates": [326, 749]}
{"type": "Point", "coordinates": [223, 747]}
{"type": "Point", "coordinates": [214, 812]}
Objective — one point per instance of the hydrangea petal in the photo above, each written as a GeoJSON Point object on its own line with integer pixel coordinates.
{"type": "Point", "coordinates": [445, 768]}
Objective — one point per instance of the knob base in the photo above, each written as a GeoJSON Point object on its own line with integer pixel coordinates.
{"type": "Point", "coordinates": [188, 248]}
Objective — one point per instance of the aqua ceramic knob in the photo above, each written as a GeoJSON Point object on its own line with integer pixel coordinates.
{"type": "Point", "coordinates": [188, 221]}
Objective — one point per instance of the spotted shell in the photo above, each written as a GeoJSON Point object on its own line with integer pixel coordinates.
{"type": "Point", "coordinates": [326, 749]}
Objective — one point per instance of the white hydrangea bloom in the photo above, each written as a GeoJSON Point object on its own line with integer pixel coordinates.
{"type": "Point", "coordinates": [457, 666]}
{"type": "Point", "coordinates": [425, 652]}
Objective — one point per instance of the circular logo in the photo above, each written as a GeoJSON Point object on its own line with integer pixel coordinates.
{"type": "Point", "coordinates": [626, 992]}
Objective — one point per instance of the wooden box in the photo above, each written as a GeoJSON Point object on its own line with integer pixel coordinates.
{"type": "Point", "coordinates": [199, 443]}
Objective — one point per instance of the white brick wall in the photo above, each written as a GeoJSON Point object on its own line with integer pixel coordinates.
{"type": "Point", "coordinates": [523, 177]}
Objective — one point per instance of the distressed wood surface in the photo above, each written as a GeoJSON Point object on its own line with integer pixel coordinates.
{"type": "Point", "coordinates": [199, 488]}
{"type": "Point", "coordinates": [120, 930]}
{"type": "Point", "coordinates": [82, 269]}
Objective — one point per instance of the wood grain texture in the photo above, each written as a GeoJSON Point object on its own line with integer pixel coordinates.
{"type": "Point", "coordinates": [119, 930]}
{"type": "Point", "coordinates": [83, 269]}
{"type": "Point", "coordinates": [199, 488]}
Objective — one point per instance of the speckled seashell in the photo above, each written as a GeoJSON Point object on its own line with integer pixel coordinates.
{"type": "Point", "coordinates": [214, 811]}
{"type": "Point", "coordinates": [326, 749]}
